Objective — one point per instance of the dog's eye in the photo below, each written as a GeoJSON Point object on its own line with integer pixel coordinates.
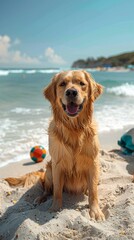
{"type": "Point", "coordinates": [62, 84]}
{"type": "Point", "coordinates": [82, 83]}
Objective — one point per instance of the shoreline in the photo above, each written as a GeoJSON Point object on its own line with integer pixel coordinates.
{"type": "Point", "coordinates": [20, 168]}
{"type": "Point", "coordinates": [108, 142]}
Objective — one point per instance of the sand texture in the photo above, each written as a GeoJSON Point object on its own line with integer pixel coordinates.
{"type": "Point", "coordinates": [20, 219]}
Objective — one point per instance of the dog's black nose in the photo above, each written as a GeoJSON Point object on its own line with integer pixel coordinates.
{"type": "Point", "coordinates": [71, 93]}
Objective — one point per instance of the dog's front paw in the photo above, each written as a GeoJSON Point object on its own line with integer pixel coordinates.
{"type": "Point", "coordinates": [96, 213]}
{"type": "Point", "coordinates": [56, 206]}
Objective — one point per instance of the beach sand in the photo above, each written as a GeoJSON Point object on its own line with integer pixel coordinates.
{"type": "Point", "coordinates": [20, 219]}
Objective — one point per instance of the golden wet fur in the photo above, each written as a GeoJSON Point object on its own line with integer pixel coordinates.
{"type": "Point", "coordinates": [73, 140]}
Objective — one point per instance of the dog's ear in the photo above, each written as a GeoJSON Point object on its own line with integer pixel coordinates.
{"type": "Point", "coordinates": [95, 88]}
{"type": "Point", "coordinates": [50, 90]}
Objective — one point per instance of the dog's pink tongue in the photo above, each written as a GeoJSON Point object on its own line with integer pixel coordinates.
{"type": "Point", "coordinates": [72, 108]}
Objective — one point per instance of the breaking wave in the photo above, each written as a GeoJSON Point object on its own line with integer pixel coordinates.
{"type": "Point", "coordinates": [125, 90]}
{"type": "Point", "coordinates": [28, 71]}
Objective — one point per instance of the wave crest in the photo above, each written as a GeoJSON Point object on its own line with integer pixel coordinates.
{"type": "Point", "coordinates": [4, 72]}
{"type": "Point", "coordinates": [28, 71]}
{"type": "Point", "coordinates": [125, 90]}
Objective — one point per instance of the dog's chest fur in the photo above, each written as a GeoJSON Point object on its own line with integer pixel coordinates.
{"type": "Point", "coordinates": [69, 148]}
{"type": "Point", "coordinates": [70, 153]}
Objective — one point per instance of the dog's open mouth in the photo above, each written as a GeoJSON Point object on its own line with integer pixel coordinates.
{"type": "Point", "coordinates": [72, 109]}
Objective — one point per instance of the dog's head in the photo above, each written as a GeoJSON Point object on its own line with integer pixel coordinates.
{"type": "Point", "coordinates": [72, 91]}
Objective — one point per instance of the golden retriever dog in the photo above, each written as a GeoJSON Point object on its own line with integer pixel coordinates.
{"type": "Point", "coordinates": [73, 141]}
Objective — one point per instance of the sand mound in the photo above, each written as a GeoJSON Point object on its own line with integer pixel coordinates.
{"type": "Point", "coordinates": [20, 219]}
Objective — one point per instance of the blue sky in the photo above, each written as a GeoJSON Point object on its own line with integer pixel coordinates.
{"type": "Point", "coordinates": [54, 33]}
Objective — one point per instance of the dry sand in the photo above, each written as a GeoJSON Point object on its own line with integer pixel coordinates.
{"type": "Point", "coordinates": [20, 219]}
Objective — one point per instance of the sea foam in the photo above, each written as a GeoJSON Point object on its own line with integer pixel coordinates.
{"type": "Point", "coordinates": [26, 111]}
{"type": "Point", "coordinates": [126, 90]}
{"type": "Point", "coordinates": [10, 71]}
{"type": "Point", "coordinates": [4, 72]}
{"type": "Point", "coordinates": [49, 71]}
{"type": "Point", "coordinates": [111, 117]}
{"type": "Point", "coordinates": [21, 110]}
{"type": "Point", "coordinates": [17, 139]}
{"type": "Point", "coordinates": [28, 71]}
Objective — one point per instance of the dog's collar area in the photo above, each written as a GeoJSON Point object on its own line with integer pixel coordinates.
{"type": "Point", "coordinates": [72, 109]}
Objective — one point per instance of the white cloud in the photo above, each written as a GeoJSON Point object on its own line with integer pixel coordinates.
{"type": "Point", "coordinates": [52, 57]}
{"type": "Point", "coordinates": [18, 57]}
{"type": "Point", "coordinates": [17, 41]}
{"type": "Point", "coordinates": [10, 56]}
{"type": "Point", "coordinates": [5, 43]}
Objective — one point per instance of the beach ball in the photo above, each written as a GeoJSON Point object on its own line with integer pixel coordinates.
{"type": "Point", "coordinates": [38, 153]}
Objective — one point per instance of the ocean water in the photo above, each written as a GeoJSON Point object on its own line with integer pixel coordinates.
{"type": "Point", "coordinates": [24, 112]}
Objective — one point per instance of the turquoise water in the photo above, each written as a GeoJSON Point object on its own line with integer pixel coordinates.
{"type": "Point", "coordinates": [24, 112]}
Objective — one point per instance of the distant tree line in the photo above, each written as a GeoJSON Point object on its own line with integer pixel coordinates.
{"type": "Point", "coordinates": [124, 60]}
